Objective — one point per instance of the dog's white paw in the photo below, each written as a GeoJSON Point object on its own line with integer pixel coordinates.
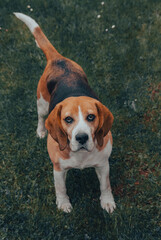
{"type": "Point", "coordinates": [107, 202]}
{"type": "Point", "coordinates": [64, 205]}
{"type": "Point", "coordinates": [108, 206]}
{"type": "Point", "coordinates": [41, 133]}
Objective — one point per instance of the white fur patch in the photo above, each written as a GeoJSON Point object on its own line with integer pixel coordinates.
{"type": "Point", "coordinates": [37, 44]}
{"type": "Point", "coordinates": [42, 106]}
{"type": "Point", "coordinates": [81, 127]}
{"type": "Point", "coordinates": [42, 110]}
{"type": "Point", "coordinates": [31, 24]}
{"type": "Point", "coordinates": [107, 200]}
{"type": "Point", "coordinates": [84, 159]}
{"type": "Point", "coordinates": [98, 160]}
{"type": "Point", "coordinates": [62, 200]}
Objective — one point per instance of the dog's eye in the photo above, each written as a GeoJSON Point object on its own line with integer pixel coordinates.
{"type": "Point", "coordinates": [91, 117]}
{"type": "Point", "coordinates": [69, 120]}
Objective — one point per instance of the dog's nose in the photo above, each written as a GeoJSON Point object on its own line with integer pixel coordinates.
{"type": "Point", "coordinates": [81, 138]}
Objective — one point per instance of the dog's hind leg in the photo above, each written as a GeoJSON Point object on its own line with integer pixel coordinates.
{"type": "Point", "coordinates": [42, 110]}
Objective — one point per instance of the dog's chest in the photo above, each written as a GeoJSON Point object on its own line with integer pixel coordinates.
{"type": "Point", "coordinates": [83, 159]}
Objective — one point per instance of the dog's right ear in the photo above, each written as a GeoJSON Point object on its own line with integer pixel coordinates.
{"type": "Point", "coordinates": [105, 122]}
{"type": "Point", "coordinates": [55, 129]}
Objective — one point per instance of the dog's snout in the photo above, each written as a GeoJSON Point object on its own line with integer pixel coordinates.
{"type": "Point", "coordinates": [81, 138]}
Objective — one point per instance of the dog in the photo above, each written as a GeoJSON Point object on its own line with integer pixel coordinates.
{"type": "Point", "coordinates": [78, 124]}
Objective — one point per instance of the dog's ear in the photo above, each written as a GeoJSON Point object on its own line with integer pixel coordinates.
{"type": "Point", "coordinates": [105, 122]}
{"type": "Point", "coordinates": [55, 129]}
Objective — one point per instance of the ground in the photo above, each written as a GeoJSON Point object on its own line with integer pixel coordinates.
{"type": "Point", "coordinates": [118, 44]}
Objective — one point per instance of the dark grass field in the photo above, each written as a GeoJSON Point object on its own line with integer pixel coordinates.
{"type": "Point", "coordinates": [118, 44]}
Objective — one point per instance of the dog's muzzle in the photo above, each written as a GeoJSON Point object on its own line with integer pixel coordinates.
{"type": "Point", "coordinates": [81, 138]}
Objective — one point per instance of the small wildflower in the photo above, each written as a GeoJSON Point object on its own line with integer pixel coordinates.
{"type": "Point", "coordinates": [31, 9]}
{"type": "Point", "coordinates": [133, 106]}
{"type": "Point", "coordinates": [28, 6]}
{"type": "Point", "coordinates": [106, 29]}
{"type": "Point", "coordinates": [113, 26]}
{"type": "Point", "coordinates": [6, 30]}
{"type": "Point", "coordinates": [0, 28]}
{"type": "Point", "coordinates": [98, 16]}
{"type": "Point", "coordinates": [102, 3]}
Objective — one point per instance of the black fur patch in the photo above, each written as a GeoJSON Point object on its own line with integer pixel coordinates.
{"type": "Point", "coordinates": [67, 84]}
{"type": "Point", "coordinates": [51, 85]}
{"type": "Point", "coordinates": [61, 63]}
{"type": "Point", "coordinates": [52, 81]}
{"type": "Point", "coordinates": [67, 88]}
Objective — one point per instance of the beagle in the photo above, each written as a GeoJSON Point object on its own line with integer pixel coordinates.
{"type": "Point", "coordinates": [78, 123]}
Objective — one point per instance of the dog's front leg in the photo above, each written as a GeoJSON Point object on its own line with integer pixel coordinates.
{"type": "Point", "coordinates": [62, 199]}
{"type": "Point", "coordinates": [107, 200]}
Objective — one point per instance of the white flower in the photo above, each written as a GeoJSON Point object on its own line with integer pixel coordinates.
{"type": "Point", "coordinates": [113, 26]}
{"type": "Point", "coordinates": [133, 106]}
{"type": "Point", "coordinates": [106, 29]}
{"type": "Point", "coordinates": [28, 6]}
{"type": "Point", "coordinates": [98, 16]}
{"type": "Point", "coordinates": [102, 3]}
{"type": "Point", "coordinates": [31, 9]}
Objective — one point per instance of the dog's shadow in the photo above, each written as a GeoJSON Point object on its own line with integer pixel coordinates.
{"type": "Point", "coordinates": [82, 183]}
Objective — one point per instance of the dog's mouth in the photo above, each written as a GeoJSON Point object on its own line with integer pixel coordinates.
{"type": "Point", "coordinates": [83, 149]}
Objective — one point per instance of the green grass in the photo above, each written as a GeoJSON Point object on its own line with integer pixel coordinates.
{"type": "Point", "coordinates": [123, 66]}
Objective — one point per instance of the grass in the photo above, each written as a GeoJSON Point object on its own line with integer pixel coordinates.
{"type": "Point", "coordinates": [123, 65]}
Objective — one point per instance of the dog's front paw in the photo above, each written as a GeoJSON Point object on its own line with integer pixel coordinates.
{"type": "Point", "coordinates": [108, 203]}
{"type": "Point", "coordinates": [64, 205]}
{"type": "Point", "coordinates": [108, 206]}
{"type": "Point", "coordinates": [41, 133]}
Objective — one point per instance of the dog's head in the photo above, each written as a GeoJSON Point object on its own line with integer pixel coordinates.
{"type": "Point", "coordinates": [79, 122]}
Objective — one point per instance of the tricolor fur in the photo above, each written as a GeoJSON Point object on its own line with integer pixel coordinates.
{"type": "Point", "coordinates": [78, 123]}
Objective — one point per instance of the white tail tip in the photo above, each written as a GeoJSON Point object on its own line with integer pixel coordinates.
{"type": "Point", "coordinates": [31, 24]}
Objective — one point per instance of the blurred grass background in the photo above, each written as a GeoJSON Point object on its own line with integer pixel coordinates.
{"type": "Point", "coordinates": [118, 44]}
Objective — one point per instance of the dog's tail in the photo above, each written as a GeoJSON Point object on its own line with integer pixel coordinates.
{"type": "Point", "coordinates": [40, 38]}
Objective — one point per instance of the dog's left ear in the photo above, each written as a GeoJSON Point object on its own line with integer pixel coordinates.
{"type": "Point", "coordinates": [105, 122]}
{"type": "Point", "coordinates": [54, 127]}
